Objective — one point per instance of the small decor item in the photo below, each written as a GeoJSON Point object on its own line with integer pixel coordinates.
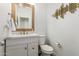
{"type": "Point", "coordinates": [72, 7]}
{"type": "Point", "coordinates": [6, 28]}
{"type": "Point", "coordinates": [62, 11]}
{"type": "Point", "coordinates": [56, 14]}
{"type": "Point", "coordinates": [65, 9]}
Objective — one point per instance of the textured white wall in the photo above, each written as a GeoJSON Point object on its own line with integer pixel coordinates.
{"type": "Point", "coordinates": [40, 18]}
{"type": "Point", "coordinates": [65, 31]}
{"type": "Point", "coordinates": [4, 9]}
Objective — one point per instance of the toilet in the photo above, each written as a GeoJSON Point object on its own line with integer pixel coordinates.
{"type": "Point", "coordinates": [45, 49]}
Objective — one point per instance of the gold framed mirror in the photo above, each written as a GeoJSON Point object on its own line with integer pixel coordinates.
{"type": "Point", "coordinates": [23, 16]}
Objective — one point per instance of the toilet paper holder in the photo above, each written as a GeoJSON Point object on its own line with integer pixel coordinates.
{"type": "Point", "coordinates": [59, 44]}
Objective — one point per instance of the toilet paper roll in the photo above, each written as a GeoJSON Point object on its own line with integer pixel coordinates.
{"type": "Point", "coordinates": [59, 45]}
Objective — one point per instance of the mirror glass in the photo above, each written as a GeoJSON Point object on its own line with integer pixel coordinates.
{"type": "Point", "coordinates": [23, 16]}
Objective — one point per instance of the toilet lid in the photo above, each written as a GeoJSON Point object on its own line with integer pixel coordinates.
{"type": "Point", "coordinates": [47, 48]}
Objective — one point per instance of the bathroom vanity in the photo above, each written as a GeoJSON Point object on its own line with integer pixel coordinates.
{"type": "Point", "coordinates": [22, 44]}
{"type": "Point", "coordinates": [26, 45]}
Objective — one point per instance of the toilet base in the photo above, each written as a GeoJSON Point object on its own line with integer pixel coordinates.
{"type": "Point", "coordinates": [44, 54]}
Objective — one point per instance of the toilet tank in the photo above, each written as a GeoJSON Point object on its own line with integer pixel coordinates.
{"type": "Point", "coordinates": [42, 39]}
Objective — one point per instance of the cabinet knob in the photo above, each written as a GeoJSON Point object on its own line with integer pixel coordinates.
{"type": "Point", "coordinates": [25, 48]}
{"type": "Point", "coordinates": [33, 48]}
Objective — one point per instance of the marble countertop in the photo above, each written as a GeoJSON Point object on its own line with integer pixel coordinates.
{"type": "Point", "coordinates": [26, 35]}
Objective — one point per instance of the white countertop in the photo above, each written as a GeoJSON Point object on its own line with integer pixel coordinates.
{"type": "Point", "coordinates": [26, 35]}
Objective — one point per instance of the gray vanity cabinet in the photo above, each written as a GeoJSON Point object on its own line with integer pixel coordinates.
{"type": "Point", "coordinates": [21, 46]}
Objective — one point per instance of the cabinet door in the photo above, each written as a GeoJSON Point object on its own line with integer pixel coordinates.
{"type": "Point", "coordinates": [16, 50]}
{"type": "Point", "coordinates": [33, 49]}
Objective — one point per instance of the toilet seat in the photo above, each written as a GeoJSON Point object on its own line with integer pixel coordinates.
{"type": "Point", "coordinates": [47, 49]}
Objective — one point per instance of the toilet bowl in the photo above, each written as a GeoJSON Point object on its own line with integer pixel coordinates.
{"type": "Point", "coordinates": [47, 49]}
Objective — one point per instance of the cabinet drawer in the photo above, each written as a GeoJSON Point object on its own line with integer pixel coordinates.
{"type": "Point", "coordinates": [33, 49]}
{"type": "Point", "coordinates": [15, 41]}
{"type": "Point", "coordinates": [30, 40]}
{"type": "Point", "coordinates": [16, 50]}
